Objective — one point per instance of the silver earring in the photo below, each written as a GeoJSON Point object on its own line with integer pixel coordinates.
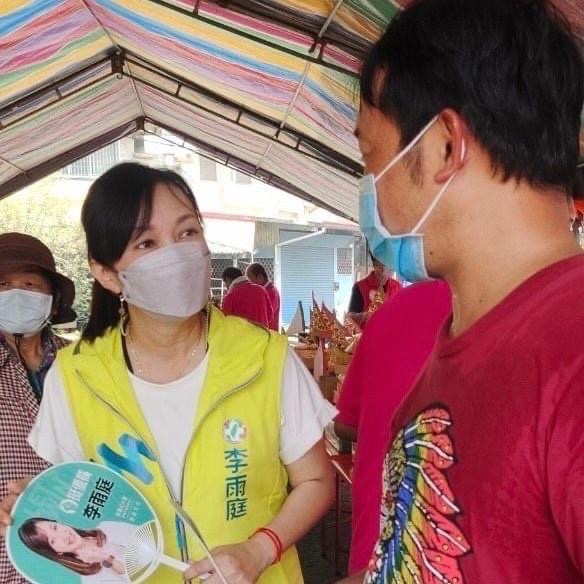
{"type": "Point", "coordinates": [123, 316]}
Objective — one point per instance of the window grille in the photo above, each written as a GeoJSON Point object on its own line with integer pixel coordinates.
{"type": "Point", "coordinates": [95, 164]}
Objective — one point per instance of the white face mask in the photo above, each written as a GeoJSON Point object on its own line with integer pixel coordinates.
{"type": "Point", "coordinates": [23, 312]}
{"type": "Point", "coordinates": [172, 281]}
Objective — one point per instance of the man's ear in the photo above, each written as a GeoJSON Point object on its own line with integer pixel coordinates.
{"type": "Point", "coordinates": [106, 276]}
{"type": "Point", "coordinates": [455, 137]}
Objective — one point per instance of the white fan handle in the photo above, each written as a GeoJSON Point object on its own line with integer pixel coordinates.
{"type": "Point", "coordinates": [173, 563]}
{"type": "Point", "coordinates": [178, 565]}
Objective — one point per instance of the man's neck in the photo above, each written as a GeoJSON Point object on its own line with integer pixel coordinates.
{"type": "Point", "coordinates": [503, 251]}
{"type": "Point", "coordinates": [486, 282]}
{"type": "Point", "coordinates": [238, 281]}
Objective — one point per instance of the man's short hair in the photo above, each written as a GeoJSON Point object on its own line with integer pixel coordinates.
{"type": "Point", "coordinates": [258, 270]}
{"type": "Point", "coordinates": [512, 69]}
{"type": "Point", "coordinates": [231, 273]}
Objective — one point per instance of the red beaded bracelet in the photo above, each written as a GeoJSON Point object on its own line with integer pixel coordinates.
{"type": "Point", "coordinates": [275, 540]}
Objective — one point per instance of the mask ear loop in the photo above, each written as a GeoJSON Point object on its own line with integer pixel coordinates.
{"type": "Point", "coordinates": [417, 138]}
{"type": "Point", "coordinates": [377, 219]}
{"type": "Point", "coordinates": [439, 195]}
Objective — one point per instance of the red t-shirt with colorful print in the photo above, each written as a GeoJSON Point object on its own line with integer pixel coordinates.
{"type": "Point", "coordinates": [484, 481]}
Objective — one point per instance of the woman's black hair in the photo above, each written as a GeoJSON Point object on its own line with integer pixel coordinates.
{"type": "Point", "coordinates": [117, 203]}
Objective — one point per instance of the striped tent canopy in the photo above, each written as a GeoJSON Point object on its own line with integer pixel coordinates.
{"type": "Point", "coordinates": [268, 87]}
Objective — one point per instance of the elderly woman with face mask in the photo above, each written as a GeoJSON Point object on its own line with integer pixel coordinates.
{"type": "Point", "coordinates": [202, 412]}
{"type": "Point", "coordinates": [32, 296]}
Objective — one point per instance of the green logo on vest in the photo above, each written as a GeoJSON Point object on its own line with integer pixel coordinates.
{"type": "Point", "coordinates": [234, 431]}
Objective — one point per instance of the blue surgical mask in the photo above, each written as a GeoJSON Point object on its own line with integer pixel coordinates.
{"type": "Point", "coordinates": [404, 254]}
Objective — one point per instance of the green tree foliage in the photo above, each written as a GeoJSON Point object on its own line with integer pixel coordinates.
{"type": "Point", "coordinates": [42, 211]}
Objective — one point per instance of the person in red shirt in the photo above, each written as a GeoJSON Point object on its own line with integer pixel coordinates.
{"type": "Point", "coordinates": [245, 299]}
{"type": "Point", "coordinates": [389, 356]}
{"type": "Point", "coordinates": [256, 274]}
{"type": "Point", "coordinates": [483, 482]}
{"type": "Point", "coordinates": [364, 291]}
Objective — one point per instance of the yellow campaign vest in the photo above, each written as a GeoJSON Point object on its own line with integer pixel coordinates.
{"type": "Point", "coordinates": [233, 479]}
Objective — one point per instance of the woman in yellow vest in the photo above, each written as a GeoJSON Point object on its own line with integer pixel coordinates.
{"type": "Point", "coordinates": [203, 411]}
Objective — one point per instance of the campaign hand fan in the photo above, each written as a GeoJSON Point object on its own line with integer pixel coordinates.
{"type": "Point", "coordinates": [144, 554]}
{"type": "Point", "coordinates": [82, 522]}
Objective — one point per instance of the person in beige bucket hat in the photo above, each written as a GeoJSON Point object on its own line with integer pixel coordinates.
{"type": "Point", "coordinates": [33, 295]}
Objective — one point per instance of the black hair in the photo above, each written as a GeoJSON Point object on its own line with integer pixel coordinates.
{"type": "Point", "coordinates": [231, 273]}
{"type": "Point", "coordinates": [117, 202]}
{"type": "Point", "coordinates": [511, 68]}
{"type": "Point", "coordinates": [256, 270]}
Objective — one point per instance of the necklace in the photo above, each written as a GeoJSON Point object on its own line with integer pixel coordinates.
{"type": "Point", "coordinates": [193, 359]}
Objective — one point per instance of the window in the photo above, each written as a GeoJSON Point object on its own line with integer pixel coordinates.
{"type": "Point", "coordinates": [241, 179]}
{"type": "Point", "coordinates": [95, 164]}
{"type": "Point", "coordinates": [208, 169]}
{"type": "Point", "coordinates": [139, 144]}
{"type": "Point", "coordinates": [169, 161]}
{"type": "Point", "coordinates": [344, 261]}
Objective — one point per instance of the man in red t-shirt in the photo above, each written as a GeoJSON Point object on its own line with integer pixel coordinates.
{"type": "Point", "coordinates": [365, 290]}
{"type": "Point", "coordinates": [256, 274]}
{"type": "Point", "coordinates": [245, 299]}
{"type": "Point", "coordinates": [389, 356]}
{"type": "Point", "coordinates": [484, 478]}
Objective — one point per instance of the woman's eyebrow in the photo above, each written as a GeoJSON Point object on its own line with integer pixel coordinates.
{"type": "Point", "coordinates": [184, 218]}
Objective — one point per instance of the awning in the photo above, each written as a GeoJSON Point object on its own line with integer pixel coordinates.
{"type": "Point", "coordinates": [265, 86]}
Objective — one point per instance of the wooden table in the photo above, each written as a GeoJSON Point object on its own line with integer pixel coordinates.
{"type": "Point", "coordinates": [343, 466]}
